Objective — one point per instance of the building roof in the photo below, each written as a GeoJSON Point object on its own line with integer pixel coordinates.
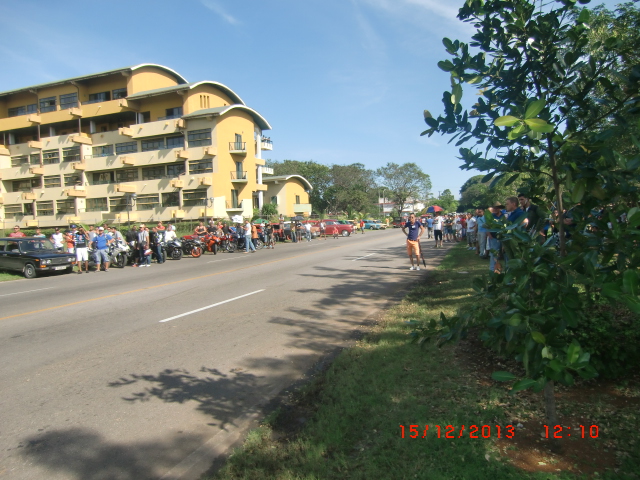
{"type": "Point", "coordinates": [179, 78]}
{"type": "Point", "coordinates": [304, 181]}
{"type": "Point", "coordinates": [175, 88]}
{"type": "Point", "coordinates": [219, 111]}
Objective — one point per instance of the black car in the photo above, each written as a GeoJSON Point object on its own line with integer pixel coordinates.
{"type": "Point", "coordinates": [31, 255]}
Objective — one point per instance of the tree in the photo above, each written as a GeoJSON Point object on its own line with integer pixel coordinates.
{"type": "Point", "coordinates": [548, 112]}
{"type": "Point", "coordinates": [476, 193]}
{"type": "Point", "coordinates": [403, 183]}
{"type": "Point", "coordinates": [447, 201]}
{"type": "Point", "coordinates": [352, 188]}
{"type": "Point", "coordinates": [269, 209]}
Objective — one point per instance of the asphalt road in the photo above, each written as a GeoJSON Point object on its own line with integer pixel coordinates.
{"type": "Point", "coordinates": [149, 373]}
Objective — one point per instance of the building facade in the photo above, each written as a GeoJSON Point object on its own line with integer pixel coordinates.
{"type": "Point", "coordinates": [133, 144]}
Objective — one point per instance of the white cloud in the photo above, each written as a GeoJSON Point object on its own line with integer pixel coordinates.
{"type": "Point", "coordinates": [216, 8]}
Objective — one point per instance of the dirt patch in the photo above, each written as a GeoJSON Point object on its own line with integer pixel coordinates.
{"type": "Point", "coordinates": [588, 446]}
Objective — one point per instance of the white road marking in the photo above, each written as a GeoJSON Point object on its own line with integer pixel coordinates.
{"type": "Point", "coordinates": [214, 261]}
{"type": "Point", "coordinates": [28, 291]}
{"type": "Point", "coordinates": [362, 257]}
{"type": "Point", "coordinates": [210, 306]}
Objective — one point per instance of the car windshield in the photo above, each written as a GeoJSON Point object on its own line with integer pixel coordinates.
{"type": "Point", "coordinates": [36, 245]}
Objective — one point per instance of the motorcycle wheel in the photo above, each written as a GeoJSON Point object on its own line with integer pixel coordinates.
{"type": "Point", "coordinates": [259, 244]}
{"type": "Point", "coordinates": [232, 247]}
{"type": "Point", "coordinates": [176, 254]}
{"type": "Point", "coordinates": [196, 252]}
{"type": "Point", "coordinates": [214, 249]}
{"type": "Point", "coordinates": [120, 260]}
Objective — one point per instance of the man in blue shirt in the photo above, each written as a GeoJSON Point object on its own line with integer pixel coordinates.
{"type": "Point", "coordinates": [429, 227]}
{"type": "Point", "coordinates": [416, 230]}
{"type": "Point", "coordinates": [513, 210]}
{"type": "Point", "coordinates": [101, 242]}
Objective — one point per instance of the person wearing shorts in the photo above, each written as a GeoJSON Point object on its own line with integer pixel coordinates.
{"type": "Point", "coordinates": [415, 231]}
{"type": "Point", "coordinates": [80, 241]}
{"type": "Point", "coordinates": [437, 230]}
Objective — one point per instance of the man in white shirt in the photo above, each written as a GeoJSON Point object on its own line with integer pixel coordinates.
{"type": "Point", "coordinates": [437, 229]}
{"type": "Point", "coordinates": [57, 239]}
{"type": "Point", "coordinates": [471, 232]}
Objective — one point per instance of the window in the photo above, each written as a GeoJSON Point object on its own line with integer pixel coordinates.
{"type": "Point", "coordinates": [71, 154]}
{"type": "Point", "coordinates": [205, 101]}
{"type": "Point", "coordinates": [17, 111]}
{"type": "Point", "coordinates": [48, 104]}
{"type": "Point", "coordinates": [152, 173]}
{"type": "Point", "coordinates": [171, 199]}
{"type": "Point", "coordinates": [66, 207]}
{"type": "Point", "coordinates": [44, 208]}
{"type": "Point", "coordinates": [118, 204]}
{"type": "Point", "coordinates": [152, 144]}
{"type": "Point", "coordinates": [13, 210]}
{"type": "Point", "coordinates": [126, 147]}
{"type": "Point", "coordinates": [175, 170]}
{"type": "Point", "coordinates": [99, 97]}
{"type": "Point", "coordinates": [49, 157]}
{"type": "Point", "coordinates": [103, 178]}
{"type": "Point", "coordinates": [26, 184]}
{"type": "Point", "coordinates": [52, 181]}
{"type": "Point", "coordinates": [119, 93]}
{"type": "Point", "coordinates": [70, 100]}
{"type": "Point", "coordinates": [27, 208]}
{"type": "Point", "coordinates": [147, 202]}
{"type": "Point", "coordinates": [34, 159]}
{"type": "Point", "coordinates": [298, 199]}
{"type": "Point", "coordinates": [201, 166]}
{"type": "Point", "coordinates": [97, 205]}
{"type": "Point", "coordinates": [127, 175]}
{"type": "Point", "coordinates": [20, 160]}
{"type": "Point", "coordinates": [103, 151]}
{"type": "Point", "coordinates": [72, 179]}
{"type": "Point", "coordinates": [175, 142]}
{"type": "Point", "coordinates": [175, 112]}
{"type": "Point", "coordinates": [274, 200]}
{"type": "Point", "coordinates": [192, 198]}
{"type": "Point", "coordinates": [234, 199]}
{"type": "Point", "coordinates": [199, 138]}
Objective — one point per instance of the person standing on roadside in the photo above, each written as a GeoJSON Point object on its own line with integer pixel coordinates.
{"type": "Point", "coordinates": [471, 232]}
{"type": "Point", "coordinates": [57, 239]}
{"type": "Point", "coordinates": [248, 244]}
{"type": "Point", "coordinates": [362, 224]}
{"type": "Point", "coordinates": [143, 246]}
{"type": "Point", "coordinates": [80, 241]}
{"type": "Point", "coordinates": [495, 246]}
{"type": "Point", "coordinates": [429, 227]}
{"type": "Point", "coordinates": [38, 233]}
{"type": "Point", "coordinates": [17, 233]}
{"type": "Point", "coordinates": [101, 242]}
{"type": "Point", "coordinates": [482, 233]}
{"type": "Point", "coordinates": [323, 227]}
{"type": "Point", "coordinates": [68, 241]}
{"type": "Point", "coordinates": [132, 240]}
{"type": "Point", "coordinates": [415, 231]}
{"type": "Point", "coordinates": [307, 231]}
{"type": "Point", "coordinates": [437, 229]}
{"type": "Point", "coordinates": [535, 220]}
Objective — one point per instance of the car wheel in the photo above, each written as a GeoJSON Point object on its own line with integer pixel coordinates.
{"type": "Point", "coordinates": [29, 271]}
{"type": "Point", "coordinates": [345, 233]}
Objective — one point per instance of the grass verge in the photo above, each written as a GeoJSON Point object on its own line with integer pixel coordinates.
{"type": "Point", "coordinates": [9, 276]}
{"type": "Point", "coordinates": [351, 416]}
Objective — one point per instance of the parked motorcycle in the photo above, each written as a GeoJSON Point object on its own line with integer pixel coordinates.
{"type": "Point", "coordinates": [172, 249]}
{"type": "Point", "coordinates": [119, 252]}
{"type": "Point", "coordinates": [228, 243]}
{"type": "Point", "coordinates": [192, 246]}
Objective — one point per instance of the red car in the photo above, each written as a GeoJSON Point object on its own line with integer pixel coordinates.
{"type": "Point", "coordinates": [332, 226]}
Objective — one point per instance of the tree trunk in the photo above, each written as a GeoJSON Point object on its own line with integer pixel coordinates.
{"type": "Point", "coordinates": [558, 189]}
{"type": "Point", "coordinates": [552, 417]}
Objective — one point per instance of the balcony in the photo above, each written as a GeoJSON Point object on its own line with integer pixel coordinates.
{"type": "Point", "coordinates": [28, 196]}
{"type": "Point", "coordinates": [234, 208]}
{"type": "Point", "coordinates": [4, 150]}
{"type": "Point", "coordinates": [127, 160]}
{"type": "Point", "coordinates": [266, 145]}
{"type": "Point", "coordinates": [210, 151]}
{"type": "Point", "coordinates": [125, 131]}
{"type": "Point", "coordinates": [36, 170]}
{"type": "Point", "coordinates": [169, 117]}
{"type": "Point", "coordinates": [301, 208]}
{"type": "Point", "coordinates": [35, 144]}
{"type": "Point", "coordinates": [239, 177]}
{"type": "Point", "coordinates": [177, 183]}
{"type": "Point", "coordinates": [77, 191]}
{"type": "Point", "coordinates": [82, 138]}
{"type": "Point", "coordinates": [238, 148]}
{"type": "Point", "coordinates": [79, 166]}
{"type": "Point", "coordinates": [267, 171]}
{"type": "Point", "coordinates": [124, 188]}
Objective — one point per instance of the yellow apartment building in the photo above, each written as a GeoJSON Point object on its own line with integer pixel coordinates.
{"type": "Point", "coordinates": [138, 143]}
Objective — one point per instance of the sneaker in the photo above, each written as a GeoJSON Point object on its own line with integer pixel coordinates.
{"type": "Point", "coordinates": [417, 268]}
{"type": "Point", "coordinates": [134, 265]}
{"type": "Point", "coordinates": [412, 267]}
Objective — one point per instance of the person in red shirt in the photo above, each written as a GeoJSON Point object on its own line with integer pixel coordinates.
{"type": "Point", "coordinates": [16, 232]}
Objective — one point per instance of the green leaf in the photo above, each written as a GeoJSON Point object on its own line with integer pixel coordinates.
{"type": "Point", "coordinates": [534, 108]}
{"type": "Point", "coordinates": [556, 365]}
{"type": "Point", "coordinates": [475, 80]}
{"type": "Point", "coordinates": [448, 44]}
{"type": "Point", "coordinates": [456, 94]}
{"type": "Point", "coordinates": [488, 177]}
{"type": "Point", "coordinates": [506, 121]}
{"type": "Point", "coordinates": [539, 125]}
{"type": "Point", "coordinates": [546, 353]}
{"type": "Point", "coordinates": [427, 114]}
{"type": "Point", "coordinates": [569, 316]}
{"type": "Point", "coordinates": [538, 337]}
{"type": "Point", "coordinates": [584, 16]}
{"type": "Point", "coordinates": [573, 352]}
{"type": "Point", "coordinates": [511, 180]}
{"type": "Point", "coordinates": [503, 376]}
{"type": "Point", "coordinates": [517, 132]}
{"type": "Point", "coordinates": [630, 282]}
{"type": "Point", "coordinates": [578, 191]}
{"type": "Point", "coordinates": [611, 290]}
{"type": "Point", "coordinates": [522, 385]}
{"type": "Point", "coordinates": [446, 65]}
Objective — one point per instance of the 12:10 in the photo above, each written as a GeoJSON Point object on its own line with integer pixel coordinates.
{"type": "Point", "coordinates": [593, 432]}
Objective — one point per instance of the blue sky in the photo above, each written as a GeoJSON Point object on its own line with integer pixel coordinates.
{"type": "Point", "coordinates": [340, 81]}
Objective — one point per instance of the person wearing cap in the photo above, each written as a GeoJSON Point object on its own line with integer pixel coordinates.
{"type": "Point", "coordinates": [57, 238]}
{"type": "Point", "coordinates": [101, 243]}
{"type": "Point", "coordinates": [495, 246]}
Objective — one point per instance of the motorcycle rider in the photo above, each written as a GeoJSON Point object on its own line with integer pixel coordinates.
{"type": "Point", "coordinates": [117, 236]}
